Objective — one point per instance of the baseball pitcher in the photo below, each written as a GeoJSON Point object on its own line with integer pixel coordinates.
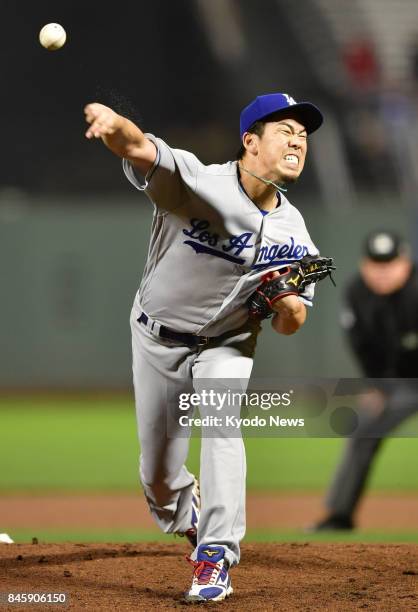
{"type": "Point", "coordinates": [227, 250]}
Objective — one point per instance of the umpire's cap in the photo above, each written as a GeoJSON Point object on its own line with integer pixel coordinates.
{"type": "Point", "coordinates": [384, 245]}
{"type": "Point", "coordinates": [310, 116]}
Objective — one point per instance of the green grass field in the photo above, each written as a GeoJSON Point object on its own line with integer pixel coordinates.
{"type": "Point", "coordinates": [84, 444]}
{"type": "Point", "coordinates": [252, 535]}
{"type": "Point", "coordinates": [90, 444]}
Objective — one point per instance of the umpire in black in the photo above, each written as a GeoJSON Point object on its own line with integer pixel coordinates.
{"type": "Point", "coordinates": [380, 319]}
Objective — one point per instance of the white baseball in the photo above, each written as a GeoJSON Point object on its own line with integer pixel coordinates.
{"type": "Point", "coordinates": [52, 36]}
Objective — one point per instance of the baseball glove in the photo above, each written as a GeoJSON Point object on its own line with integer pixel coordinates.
{"type": "Point", "coordinates": [292, 280]}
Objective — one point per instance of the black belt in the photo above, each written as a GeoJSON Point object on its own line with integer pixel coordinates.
{"type": "Point", "coordinates": [169, 334]}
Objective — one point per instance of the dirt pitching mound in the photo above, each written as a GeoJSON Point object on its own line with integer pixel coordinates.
{"type": "Point", "coordinates": [285, 577]}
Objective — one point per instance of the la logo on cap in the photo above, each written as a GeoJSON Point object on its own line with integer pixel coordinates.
{"type": "Point", "coordinates": [289, 99]}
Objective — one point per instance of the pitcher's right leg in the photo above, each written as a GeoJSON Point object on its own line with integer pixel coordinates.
{"type": "Point", "coordinates": [158, 369]}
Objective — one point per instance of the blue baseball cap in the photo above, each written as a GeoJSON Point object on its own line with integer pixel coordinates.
{"type": "Point", "coordinates": [308, 114]}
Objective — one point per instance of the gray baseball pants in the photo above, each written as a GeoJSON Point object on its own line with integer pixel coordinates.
{"type": "Point", "coordinates": [162, 368]}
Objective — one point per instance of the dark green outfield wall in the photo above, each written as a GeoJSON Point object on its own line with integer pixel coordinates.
{"type": "Point", "coordinates": [69, 274]}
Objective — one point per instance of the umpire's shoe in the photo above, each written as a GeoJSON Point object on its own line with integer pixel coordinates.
{"type": "Point", "coordinates": [191, 533]}
{"type": "Point", "coordinates": [334, 522]}
{"type": "Point", "coordinates": [211, 581]}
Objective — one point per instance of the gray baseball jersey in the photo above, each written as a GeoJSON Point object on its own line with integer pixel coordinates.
{"type": "Point", "coordinates": [210, 244]}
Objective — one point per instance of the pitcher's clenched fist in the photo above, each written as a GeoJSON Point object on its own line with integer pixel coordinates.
{"type": "Point", "coordinates": [103, 120]}
{"type": "Point", "coordinates": [120, 135]}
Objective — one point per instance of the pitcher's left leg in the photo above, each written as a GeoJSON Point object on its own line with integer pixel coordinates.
{"type": "Point", "coordinates": [222, 461]}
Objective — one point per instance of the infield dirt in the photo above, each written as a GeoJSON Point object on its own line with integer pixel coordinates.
{"type": "Point", "coordinates": [285, 577]}
{"type": "Point", "coordinates": [130, 511]}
